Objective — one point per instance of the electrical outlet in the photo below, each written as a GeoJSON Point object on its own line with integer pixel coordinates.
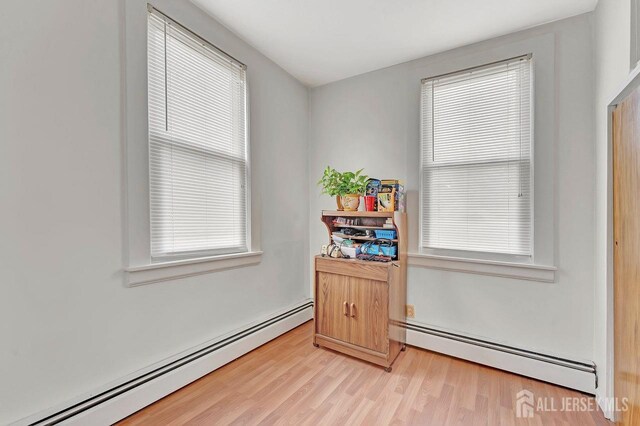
{"type": "Point", "coordinates": [411, 311]}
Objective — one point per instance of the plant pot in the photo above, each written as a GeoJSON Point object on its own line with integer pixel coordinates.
{"type": "Point", "coordinates": [339, 203]}
{"type": "Point", "coordinates": [351, 202]}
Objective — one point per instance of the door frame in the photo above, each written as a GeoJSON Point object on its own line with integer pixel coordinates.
{"type": "Point", "coordinates": [631, 83]}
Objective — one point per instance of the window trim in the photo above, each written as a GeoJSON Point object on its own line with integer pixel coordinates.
{"type": "Point", "coordinates": [138, 265]}
{"type": "Point", "coordinates": [171, 270]}
{"type": "Point", "coordinates": [478, 256]}
{"type": "Point", "coordinates": [504, 269]}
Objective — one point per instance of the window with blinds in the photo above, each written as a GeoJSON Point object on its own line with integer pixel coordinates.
{"type": "Point", "coordinates": [197, 144]}
{"type": "Point", "coordinates": [476, 159]}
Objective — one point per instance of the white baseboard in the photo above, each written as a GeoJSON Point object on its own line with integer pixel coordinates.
{"type": "Point", "coordinates": [604, 401]}
{"type": "Point", "coordinates": [119, 399]}
{"type": "Point", "coordinates": [560, 373]}
{"type": "Point", "coordinates": [129, 394]}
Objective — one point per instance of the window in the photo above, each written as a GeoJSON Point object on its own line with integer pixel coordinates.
{"type": "Point", "coordinates": [477, 171]}
{"type": "Point", "coordinates": [198, 167]}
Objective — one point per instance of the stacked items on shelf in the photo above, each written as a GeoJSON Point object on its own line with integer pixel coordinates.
{"type": "Point", "coordinates": [385, 195]}
{"type": "Point", "coordinates": [365, 238]}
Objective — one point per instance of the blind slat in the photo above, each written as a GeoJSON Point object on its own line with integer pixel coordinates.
{"type": "Point", "coordinates": [197, 145]}
{"type": "Point", "coordinates": [476, 159]}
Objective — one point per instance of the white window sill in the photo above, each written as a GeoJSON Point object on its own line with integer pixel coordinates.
{"type": "Point", "coordinates": [496, 268]}
{"type": "Point", "coordinates": [157, 272]}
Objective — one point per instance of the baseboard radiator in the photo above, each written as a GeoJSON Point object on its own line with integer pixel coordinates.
{"type": "Point", "coordinates": [579, 375]}
{"type": "Point", "coordinates": [107, 406]}
{"type": "Point", "coordinates": [250, 337]}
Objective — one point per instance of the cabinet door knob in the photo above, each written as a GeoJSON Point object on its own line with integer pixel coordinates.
{"type": "Point", "coordinates": [353, 310]}
{"type": "Point", "coordinates": [346, 308]}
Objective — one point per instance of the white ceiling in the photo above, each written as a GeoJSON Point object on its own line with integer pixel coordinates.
{"type": "Point", "coordinates": [320, 41]}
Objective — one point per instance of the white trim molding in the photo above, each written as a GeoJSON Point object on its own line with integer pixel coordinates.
{"type": "Point", "coordinates": [579, 375]}
{"type": "Point", "coordinates": [523, 271]}
{"type": "Point", "coordinates": [129, 394]}
{"type": "Point", "coordinates": [164, 271]}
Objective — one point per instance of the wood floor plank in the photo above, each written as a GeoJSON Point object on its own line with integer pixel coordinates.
{"type": "Point", "coordinates": [289, 382]}
{"type": "Point", "coordinates": [417, 373]}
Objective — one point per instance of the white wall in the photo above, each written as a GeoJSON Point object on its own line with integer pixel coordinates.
{"type": "Point", "coordinates": [612, 64]}
{"type": "Point", "coordinates": [372, 121]}
{"type": "Point", "coordinates": [67, 322]}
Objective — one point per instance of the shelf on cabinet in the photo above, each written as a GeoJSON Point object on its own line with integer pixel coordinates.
{"type": "Point", "coordinates": [363, 238]}
{"type": "Point", "coordinates": [356, 214]}
{"type": "Point", "coordinates": [341, 225]}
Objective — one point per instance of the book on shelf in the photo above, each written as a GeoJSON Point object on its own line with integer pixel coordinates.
{"type": "Point", "coordinates": [391, 195]}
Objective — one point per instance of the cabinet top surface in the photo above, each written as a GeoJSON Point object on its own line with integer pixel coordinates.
{"type": "Point", "coordinates": [358, 261]}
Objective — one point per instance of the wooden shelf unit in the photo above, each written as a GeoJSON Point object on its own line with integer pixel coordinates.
{"type": "Point", "coordinates": [360, 305]}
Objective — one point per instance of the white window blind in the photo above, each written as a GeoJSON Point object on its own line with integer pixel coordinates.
{"type": "Point", "coordinates": [476, 159]}
{"type": "Point", "coordinates": [197, 144]}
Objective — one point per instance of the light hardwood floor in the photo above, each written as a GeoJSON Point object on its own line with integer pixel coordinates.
{"type": "Point", "coordinates": [288, 381]}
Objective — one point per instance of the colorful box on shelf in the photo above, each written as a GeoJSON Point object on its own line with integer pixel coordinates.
{"type": "Point", "coordinates": [391, 196]}
{"type": "Point", "coordinates": [378, 249]}
{"type": "Point", "coordinates": [383, 233]}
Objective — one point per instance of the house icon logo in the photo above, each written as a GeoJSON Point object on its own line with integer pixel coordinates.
{"type": "Point", "coordinates": [524, 404]}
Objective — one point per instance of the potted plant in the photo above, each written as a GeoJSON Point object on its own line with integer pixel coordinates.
{"type": "Point", "coordinates": [352, 186]}
{"type": "Point", "coordinates": [347, 187]}
{"type": "Point", "coordinates": [330, 184]}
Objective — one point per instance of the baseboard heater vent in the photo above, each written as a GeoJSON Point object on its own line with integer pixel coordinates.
{"type": "Point", "coordinates": [576, 365]}
{"type": "Point", "coordinates": [102, 397]}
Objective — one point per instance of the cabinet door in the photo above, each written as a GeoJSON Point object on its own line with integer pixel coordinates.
{"type": "Point", "coordinates": [369, 312]}
{"type": "Point", "coordinates": [332, 311]}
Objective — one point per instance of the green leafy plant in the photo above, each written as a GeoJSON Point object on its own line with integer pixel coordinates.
{"type": "Point", "coordinates": [330, 181]}
{"type": "Point", "coordinates": [353, 183]}
{"type": "Point", "coordinates": [336, 183]}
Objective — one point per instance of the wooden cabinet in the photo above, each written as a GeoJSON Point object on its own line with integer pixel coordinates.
{"type": "Point", "coordinates": [353, 310]}
{"type": "Point", "coordinates": [360, 305]}
{"type": "Point", "coordinates": [332, 317]}
{"type": "Point", "coordinates": [369, 312]}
